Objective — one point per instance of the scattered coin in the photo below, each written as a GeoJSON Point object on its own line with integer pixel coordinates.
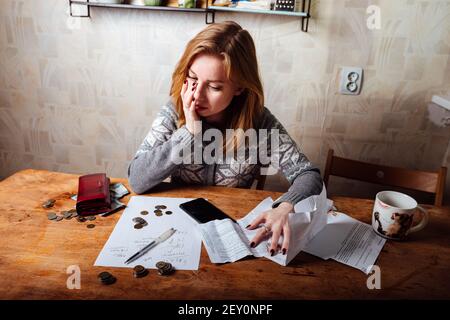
{"type": "Point", "coordinates": [90, 226]}
{"type": "Point", "coordinates": [74, 214]}
{"type": "Point", "coordinates": [162, 207]}
{"type": "Point", "coordinates": [66, 214]}
{"type": "Point", "coordinates": [109, 281]}
{"type": "Point", "coordinates": [139, 220]}
{"type": "Point", "coordinates": [49, 203]}
{"type": "Point", "coordinates": [90, 218]}
{"type": "Point", "coordinates": [58, 218]}
{"type": "Point", "coordinates": [144, 212]}
{"type": "Point", "coordinates": [51, 216]}
{"type": "Point", "coordinates": [168, 212]}
{"type": "Point", "coordinates": [158, 213]}
{"type": "Point", "coordinates": [164, 268]}
{"type": "Point", "coordinates": [81, 219]}
{"type": "Point", "coordinates": [73, 210]}
{"type": "Point", "coordinates": [106, 278]}
{"type": "Point", "coordinates": [139, 271]}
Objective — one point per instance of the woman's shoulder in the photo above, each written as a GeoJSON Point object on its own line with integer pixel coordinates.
{"type": "Point", "coordinates": [169, 111]}
{"type": "Point", "coordinates": [167, 118]}
{"type": "Point", "coordinates": [267, 120]}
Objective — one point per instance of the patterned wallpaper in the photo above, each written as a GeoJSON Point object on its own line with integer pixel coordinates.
{"type": "Point", "coordinates": [78, 94]}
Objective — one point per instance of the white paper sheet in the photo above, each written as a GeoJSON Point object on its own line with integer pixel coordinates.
{"type": "Point", "coordinates": [226, 241]}
{"type": "Point", "coordinates": [348, 241]}
{"type": "Point", "coordinates": [182, 249]}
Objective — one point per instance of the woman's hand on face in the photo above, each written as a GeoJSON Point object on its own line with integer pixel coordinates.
{"type": "Point", "coordinates": [187, 96]}
{"type": "Point", "coordinates": [275, 223]}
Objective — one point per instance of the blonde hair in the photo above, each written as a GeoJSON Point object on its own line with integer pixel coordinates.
{"type": "Point", "coordinates": [236, 48]}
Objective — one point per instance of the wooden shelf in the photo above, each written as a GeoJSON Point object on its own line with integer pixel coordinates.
{"type": "Point", "coordinates": [130, 6]}
{"type": "Point", "coordinates": [284, 13]}
{"type": "Point", "coordinates": [208, 11]}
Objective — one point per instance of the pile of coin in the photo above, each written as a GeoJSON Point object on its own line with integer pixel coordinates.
{"type": "Point", "coordinates": [49, 203]}
{"type": "Point", "coordinates": [139, 222]}
{"type": "Point", "coordinates": [72, 213]}
{"type": "Point", "coordinates": [106, 278]}
{"type": "Point", "coordinates": [69, 214]}
{"type": "Point", "coordinates": [164, 268]}
{"type": "Point", "coordinates": [86, 218]}
{"type": "Point", "coordinates": [139, 271]}
{"type": "Point", "coordinates": [159, 210]}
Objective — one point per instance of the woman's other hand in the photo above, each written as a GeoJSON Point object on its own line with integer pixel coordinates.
{"type": "Point", "coordinates": [273, 223]}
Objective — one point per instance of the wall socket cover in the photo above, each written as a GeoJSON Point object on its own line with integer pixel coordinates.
{"type": "Point", "coordinates": [350, 80]}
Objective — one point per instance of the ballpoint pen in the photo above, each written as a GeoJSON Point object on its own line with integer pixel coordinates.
{"type": "Point", "coordinates": [166, 235]}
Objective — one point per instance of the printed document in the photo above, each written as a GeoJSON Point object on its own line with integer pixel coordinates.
{"type": "Point", "coordinates": [348, 241]}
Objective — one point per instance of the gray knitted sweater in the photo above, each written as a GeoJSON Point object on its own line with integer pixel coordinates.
{"type": "Point", "coordinates": [151, 164]}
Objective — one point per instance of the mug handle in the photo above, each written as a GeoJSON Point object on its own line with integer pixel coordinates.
{"type": "Point", "coordinates": [423, 222]}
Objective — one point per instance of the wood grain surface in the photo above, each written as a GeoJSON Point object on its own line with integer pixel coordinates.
{"type": "Point", "coordinates": [36, 252]}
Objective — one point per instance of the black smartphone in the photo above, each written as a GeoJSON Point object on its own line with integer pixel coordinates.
{"type": "Point", "coordinates": [203, 211]}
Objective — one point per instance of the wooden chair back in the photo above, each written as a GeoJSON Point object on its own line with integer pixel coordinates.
{"type": "Point", "coordinates": [431, 182]}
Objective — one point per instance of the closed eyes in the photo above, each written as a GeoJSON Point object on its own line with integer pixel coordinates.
{"type": "Point", "coordinates": [210, 86]}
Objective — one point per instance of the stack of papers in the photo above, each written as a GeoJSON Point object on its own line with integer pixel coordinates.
{"type": "Point", "coordinates": [226, 241]}
{"type": "Point", "coordinates": [315, 229]}
{"type": "Point", "coordinates": [348, 241]}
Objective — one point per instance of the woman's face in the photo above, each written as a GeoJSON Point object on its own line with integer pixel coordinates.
{"type": "Point", "coordinates": [214, 91]}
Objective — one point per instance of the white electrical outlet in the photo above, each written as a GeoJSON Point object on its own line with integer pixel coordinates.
{"type": "Point", "coordinates": [351, 80]}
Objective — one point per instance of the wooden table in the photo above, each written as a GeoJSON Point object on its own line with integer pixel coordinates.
{"type": "Point", "coordinates": [35, 253]}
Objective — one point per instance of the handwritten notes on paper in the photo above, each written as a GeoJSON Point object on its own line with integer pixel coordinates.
{"type": "Point", "coordinates": [182, 249]}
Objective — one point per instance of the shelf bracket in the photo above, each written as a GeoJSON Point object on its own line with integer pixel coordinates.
{"type": "Point", "coordinates": [87, 7]}
{"type": "Point", "coordinates": [306, 7]}
{"type": "Point", "coordinates": [211, 14]}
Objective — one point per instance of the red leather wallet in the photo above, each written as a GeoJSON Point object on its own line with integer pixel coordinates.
{"type": "Point", "coordinates": [93, 194]}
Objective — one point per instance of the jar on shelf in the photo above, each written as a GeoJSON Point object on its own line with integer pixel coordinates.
{"type": "Point", "coordinates": [109, 1]}
{"type": "Point", "coordinates": [153, 2]}
{"type": "Point", "coordinates": [187, 3]}
{"type": "Point", "coordinates": [136, 2]}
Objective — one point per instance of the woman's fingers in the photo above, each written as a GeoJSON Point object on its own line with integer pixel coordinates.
{"type": "Point", "coordinates": [271, 224]}
{"type": "Point", "coordinates": [273, 249]}
{"type": "Point", "coordinates": [189, 110]}
{"type": "Point", "coordinates": [187, 94]}
{"type": "Point", "coordinates": [257, 221]}
{"type": "Point", "coordinates": [184, 88]}
{"type": "Point", "coordinates": [260, 235]}
{"type": "Point", "coordinates": [286, 237]}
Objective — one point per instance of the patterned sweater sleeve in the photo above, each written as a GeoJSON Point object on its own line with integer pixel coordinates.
{"type": "Point", "coordinates": [151, 164]}
{"type": "Point", "coordinates": [304, 178]}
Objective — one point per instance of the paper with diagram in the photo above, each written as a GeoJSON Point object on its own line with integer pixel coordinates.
{"type": "Point", "coordinates": [182, 249]}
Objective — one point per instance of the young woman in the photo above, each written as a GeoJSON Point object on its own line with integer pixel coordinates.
{"type": "Point", "coordinates": [216, 85]}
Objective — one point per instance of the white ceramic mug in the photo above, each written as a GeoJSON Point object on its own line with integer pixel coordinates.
{"type": "Point", "coordinates": [393, 214]}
